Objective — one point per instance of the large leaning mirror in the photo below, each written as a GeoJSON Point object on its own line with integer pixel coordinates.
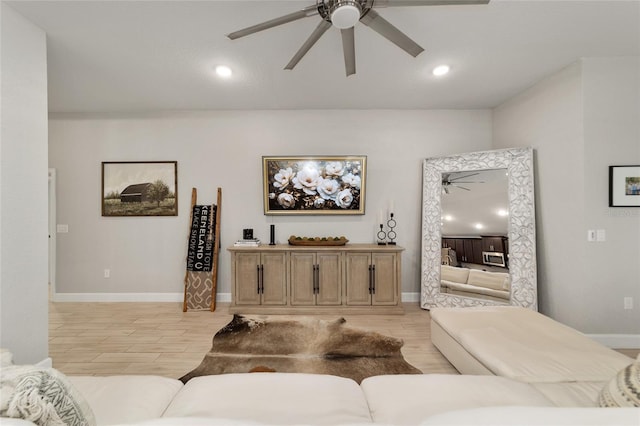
{"type": "Point", "coordinates": [478, 230]}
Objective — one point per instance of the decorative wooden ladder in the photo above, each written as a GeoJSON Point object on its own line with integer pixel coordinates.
{"type": "Point", "coordinates": [200, 286]}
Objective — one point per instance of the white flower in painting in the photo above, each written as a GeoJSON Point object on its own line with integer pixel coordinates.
{"type": "Point", "coordinates": [272, 195]}
{"type": "Point", "coordinates": [352, 180]}
{"type": "Point", "coordinates": [307, 179]}
{"type": "Point", "coordinates": [328, 188]}
{"type": "Point", "coordinates": [286, 200]}
{"type": "Point", "coordinates": [334, 168]}
{"type": "Point", "coordinates": [282, 178]}
{"type": "Point", "coordinates": [318, 203]}
{"type": "Point", "coordinates": [344, 198]}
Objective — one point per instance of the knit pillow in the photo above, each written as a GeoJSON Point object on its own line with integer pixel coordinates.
{"type": "Point", "coordinates": [624, 389]}
{"type": "Point", "coordinates": [43, 396]}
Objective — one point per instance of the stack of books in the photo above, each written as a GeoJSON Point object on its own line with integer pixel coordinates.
{"type": "Point", "coordinates": [254, 242]}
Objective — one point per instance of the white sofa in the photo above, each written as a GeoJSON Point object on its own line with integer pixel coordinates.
{"type": "Point", "coordinates": [475, 283]}
{"type": "Point", "coordinates": [525, 369]}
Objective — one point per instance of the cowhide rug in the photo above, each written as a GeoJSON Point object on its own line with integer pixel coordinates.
{"type": "Point", "coordinates": [301, 346]}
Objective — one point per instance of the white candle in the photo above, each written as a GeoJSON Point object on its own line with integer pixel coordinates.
{"type": "Point", "coordinates": [380, 217]}
{"type": "Point", "coordinates": [391, 207]}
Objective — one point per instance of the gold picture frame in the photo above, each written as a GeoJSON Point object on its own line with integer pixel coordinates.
{"type": "Point", "coordinates": [314, 185]}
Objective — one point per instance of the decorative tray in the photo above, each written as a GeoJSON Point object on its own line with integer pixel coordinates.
{"type": "Point", "coordinates": [317, 241]}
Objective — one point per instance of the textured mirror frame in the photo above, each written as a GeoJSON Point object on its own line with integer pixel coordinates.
{"type": "Point", "coordinates": [522, 229]}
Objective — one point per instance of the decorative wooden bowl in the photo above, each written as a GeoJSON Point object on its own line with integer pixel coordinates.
{"type": "Point", "coordinates": [317, 241]}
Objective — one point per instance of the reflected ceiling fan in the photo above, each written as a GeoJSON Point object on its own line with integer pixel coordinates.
{"type": "Point", "coordinates": [448, 181]}
{"type": "Point", "coordinates": [344, 14]}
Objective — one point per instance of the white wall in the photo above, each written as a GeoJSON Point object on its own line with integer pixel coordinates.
{"type": "Point", "coordinates": [23, 194]}
{"type": "Point", "coordinates": [580, 121]}
{"type": "Point", "coordinates": [224, 148]}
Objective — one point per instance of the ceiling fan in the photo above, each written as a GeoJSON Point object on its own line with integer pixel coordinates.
{"type": "Point", "coordinates": [448, 181]}
{"type": "Point", "coordinates": [344, 14]}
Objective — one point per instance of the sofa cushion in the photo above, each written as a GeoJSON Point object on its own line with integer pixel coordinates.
{"type": "Point", "coordinates": [472, 289]}
{"type": "Point", "coordinates": [527, 416]}
{"type": "Point", "coordinates": [273, 398]}
{"type": "Point", "coordinates": [126, 399]}
{"type": "Point", "coordinates": [493, 280]}
{"type": "Point", "coordinates": [539, 349]}
{"type": "Point", "coordinates": [411, 399]}
{"type": "Point", "coordinates": [43, 396]}
{"type": "Point", "coordinates": [624, 389]}
{"type": "Point", "coordinates": [452, 273]}
{"type": "Point", "coordinates": [571, 394]}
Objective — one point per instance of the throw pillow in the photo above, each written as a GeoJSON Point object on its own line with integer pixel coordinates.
{"type": "Point", "coordinates": [43, 396]}
{"type": "Point", "coordinates": [6, 357]}
{"type": "Point", "coordinates": [624, 389]}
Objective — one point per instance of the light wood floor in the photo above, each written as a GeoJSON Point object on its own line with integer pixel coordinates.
{"type": "Point", "coordinates": [158, 338]}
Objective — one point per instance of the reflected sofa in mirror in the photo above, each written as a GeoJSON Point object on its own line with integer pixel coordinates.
{"type": "Point", "coordinates": [514, 281]}
{"type": "Point", "coordinates": [475, 241]}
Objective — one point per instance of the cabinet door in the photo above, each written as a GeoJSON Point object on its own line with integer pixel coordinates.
{"type": "Point", "coordinates": [274, 279]}
{"type": "Point", "coordinates": [329, 279]}
{"type": "Point", "coordinates": [302, 278]}
{"type": "Point", "coordinates": [385, 282]}
{"type": "Point", "coordinates": [492, 244]}
{"type": "Point", "coordinates": [358, 278]}
{"type": "Point", "coordinates": [477, 251]}
{"type": "Point", "coordinates": [246, 273]}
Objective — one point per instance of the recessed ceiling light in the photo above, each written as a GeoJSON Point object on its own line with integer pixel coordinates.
{"type": "Point", "coordinates": [479, 226]}
{"type": "Point", "coordinates": [441, 70]}
{"type": "Point", "coordinates": [223, 71]}
{"type": "Point", "coordinates": [448, 218]}
{"type": "Point", "coordinates": [503, 213]}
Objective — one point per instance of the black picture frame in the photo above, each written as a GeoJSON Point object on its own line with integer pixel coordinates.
{"type": "Point", "coordinates": [624, 186]}
{"type": "Point", "coordinates": [139, 188]}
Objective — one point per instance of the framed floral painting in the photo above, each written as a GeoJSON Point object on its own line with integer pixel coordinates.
{"type": "Point", "coordinates": [314, 185]}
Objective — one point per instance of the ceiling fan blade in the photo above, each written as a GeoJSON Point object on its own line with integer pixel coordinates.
{"type": "Point", "coordinates": [349, 49]}
{"type": "Point", "coordinates": [394, 3]}
{"type": "Point", "coordinates": [322, 27]}
{"type": "Point", "coordinates": [461, 187]}
{"type": "Point", "coordinates": [303, 13]}
{"type": "Point", "coordinates": [380, 25]}
{"type": "Point", "coordinates": [465, 176]}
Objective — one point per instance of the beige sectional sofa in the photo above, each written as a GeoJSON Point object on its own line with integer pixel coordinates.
{"type": "Point", "coordinates": [519, 368]}
{"type": "Point", "coordinates": [475, 283]}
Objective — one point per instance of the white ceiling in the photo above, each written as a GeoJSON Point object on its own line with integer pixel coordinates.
{"type": "Point", "coordinates": [123, 56]}
{"type": "Point", "coordinates": [486, 194]}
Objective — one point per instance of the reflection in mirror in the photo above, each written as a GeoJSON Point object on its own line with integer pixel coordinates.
{"type": "Point", "coordinates": [475, 242]}
{"type": "Point", "coordinates": [466, 266]}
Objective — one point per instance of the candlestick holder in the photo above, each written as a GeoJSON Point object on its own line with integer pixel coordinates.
{"type": "Point", "coordinates": [382, 236]}
{"type": "Point", "coordinates": [391, 223]}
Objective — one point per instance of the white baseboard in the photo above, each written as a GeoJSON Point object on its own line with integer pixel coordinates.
{"type": "Point", "coordinates": [128, 297]}
{"type": "Point", "coordinates": [159, 297]}
{"type": "Point", "coordinates": [410, 297]}
{"type": "Point", "coordinates": [625, 341]}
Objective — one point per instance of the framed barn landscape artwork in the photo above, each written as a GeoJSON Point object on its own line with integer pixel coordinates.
{"type": "Point", "coordinates": [314, 185]}
{"type": "Point", "coordinates": [147, 188]}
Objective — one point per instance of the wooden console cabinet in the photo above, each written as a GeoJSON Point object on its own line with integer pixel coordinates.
{"type": "Point", "coordinates": [285, 279]}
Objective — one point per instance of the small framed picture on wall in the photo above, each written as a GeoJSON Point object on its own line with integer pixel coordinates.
{"type": "Point", "coordinates": [624, 186]}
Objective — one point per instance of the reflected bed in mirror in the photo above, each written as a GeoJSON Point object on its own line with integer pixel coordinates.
{"type": "Point", "coordinates": [478, 230]}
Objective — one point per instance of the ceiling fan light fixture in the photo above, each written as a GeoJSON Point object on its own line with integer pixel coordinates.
{"type": "Point", "coordinates": [345, 14]}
